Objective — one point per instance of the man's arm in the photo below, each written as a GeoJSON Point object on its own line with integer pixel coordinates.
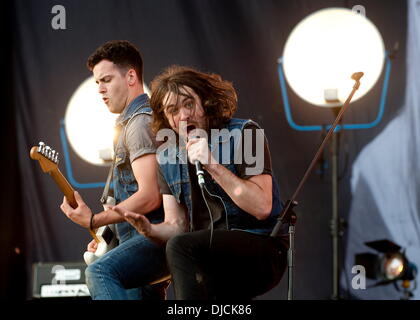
{"type": "Point", "coordinates": [253, 195]}
{"type": "Point", "coordinates": [146, 199]}
{"type": "Point", "coordinates": [175, 221]}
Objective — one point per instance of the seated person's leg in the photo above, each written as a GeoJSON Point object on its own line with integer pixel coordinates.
{"type": "Point", "coordinates": [238, 264]}
{"type": "Point", "coordinates": [134, 263]}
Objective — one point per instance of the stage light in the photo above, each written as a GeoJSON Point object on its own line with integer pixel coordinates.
{"type": "Point", "coordinates": [324, 54]}
{"type": "Point", "coordinates": [325, 48]}
{"type": "Point", "coordinates": [89, 125]}
{"type": "Point", "coordinates": [389, 265]}
{"type": "Point", "coordinates": [393, 266]}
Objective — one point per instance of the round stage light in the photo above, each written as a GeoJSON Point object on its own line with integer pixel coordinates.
{"type": "Point", "coordinates": [325, 49]}
{"type": "Point", "coordinates": [89, 124]}
{"type": "Point", "coordinates": [393, 266]}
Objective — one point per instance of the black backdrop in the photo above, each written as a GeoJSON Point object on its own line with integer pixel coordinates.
{"type": "Point", "coordinates": [241, 40]}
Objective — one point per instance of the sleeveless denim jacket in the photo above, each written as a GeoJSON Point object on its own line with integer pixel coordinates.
{"type": "Point", "coordinates": [177, 177]}
{"type": "Point", "coordinates": [124, 181]}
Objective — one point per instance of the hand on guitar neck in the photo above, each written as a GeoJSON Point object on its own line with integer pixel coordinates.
{"type": "Point", "coordinates": [73, 205]}
{"type": "Point", "coordinates": [80, 213]}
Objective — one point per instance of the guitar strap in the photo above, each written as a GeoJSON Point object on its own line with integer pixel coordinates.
{"type": "Point", "coordinates": [108, 182]}
{"type": "Point", "coordinates": [105, 193]}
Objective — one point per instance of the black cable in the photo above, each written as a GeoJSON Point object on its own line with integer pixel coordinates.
{"type": "Point", "coordinates": [209, 210]}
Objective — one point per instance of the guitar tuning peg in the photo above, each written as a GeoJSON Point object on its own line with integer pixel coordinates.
{"type": "Point", "coordinates": [45, 151]}
{"type": "Point", "coordinates": [52, 155]}
{"type": "Point", "coordinates": [41, 146]}
{"type": "Point", "coordinates": [56, 157]}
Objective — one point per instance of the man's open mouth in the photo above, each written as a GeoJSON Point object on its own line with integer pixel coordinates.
{"type": "Point", "coordinates": [190, 128]}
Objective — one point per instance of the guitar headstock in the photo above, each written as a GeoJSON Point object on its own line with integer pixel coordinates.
{"type": "Point", "coordinates": [47, 157]}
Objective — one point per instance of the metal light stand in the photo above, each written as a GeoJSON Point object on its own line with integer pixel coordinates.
{"type": "Point", "coordinates": [335, 218]}
{"type": "Point", "coordinates": [336, 223]}
{"type": "Point", "coordinates": [287, 216]}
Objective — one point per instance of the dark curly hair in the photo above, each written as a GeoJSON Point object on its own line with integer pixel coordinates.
{"type": "Point", "coordinates": [218, 97]}
{"type": "Point", "coordinates": [121, 52]}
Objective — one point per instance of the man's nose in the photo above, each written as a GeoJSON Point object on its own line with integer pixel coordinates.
{"type": "Point", "coordinates": [101, 88]}
{"type": "Point", "coordinates": [184, 114]}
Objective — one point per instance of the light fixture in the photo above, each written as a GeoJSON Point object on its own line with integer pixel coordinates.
{"type": "Point", "coordinates": [88, 123]}
{"type": "Point", "coordinates": [89, 126]}
{"type": "Point", "coordinates": [388, 265]}
{"type": "Point", "coordinates": [320, 55]}
{"type": "Point", "coordinates": [325, 48]}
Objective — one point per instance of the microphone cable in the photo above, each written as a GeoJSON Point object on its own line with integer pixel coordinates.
{"type": "Point", "coordinates": [209, 210]}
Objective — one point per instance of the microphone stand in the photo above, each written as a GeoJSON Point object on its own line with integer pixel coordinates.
{"type": "Point", "coordinates": [287, 216]}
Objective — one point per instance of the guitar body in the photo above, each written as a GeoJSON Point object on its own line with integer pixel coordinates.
{"type": "Point", "coordinates": [107, 237]}
{"type": "Point", "coordinates": [107, 241]}
{"type": "Point", "coordinates": [104, 236]}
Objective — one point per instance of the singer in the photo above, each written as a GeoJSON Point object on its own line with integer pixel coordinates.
{"type": "Point", "coordinates": [217, 237]}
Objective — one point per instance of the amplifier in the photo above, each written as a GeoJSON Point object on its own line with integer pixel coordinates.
{"type": "Point", "coordinates": [59, 279]}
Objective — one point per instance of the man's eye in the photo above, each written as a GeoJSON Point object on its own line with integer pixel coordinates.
{"type": "Point", "coordinates": [189, 104]}
{"type": "Point", "coordinates": [172, 110]}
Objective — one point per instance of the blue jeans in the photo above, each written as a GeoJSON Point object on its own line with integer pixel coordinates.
{"type": "Point", "coordinates": [124, 273]}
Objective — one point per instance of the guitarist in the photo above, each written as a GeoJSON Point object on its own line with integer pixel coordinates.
{"type": "Point", "coordinates": [117, 67]}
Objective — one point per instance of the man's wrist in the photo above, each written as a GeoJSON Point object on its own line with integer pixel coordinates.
{"type": "Point", "coordinates": [91, 224]}
{"type": "Point", "coordinates": [212, 168]}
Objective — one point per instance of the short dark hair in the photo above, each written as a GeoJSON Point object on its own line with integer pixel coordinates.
{"type": "Point", "coordinates": [218, 97]}
{"type": "Point", "coordinates": [122, 53]}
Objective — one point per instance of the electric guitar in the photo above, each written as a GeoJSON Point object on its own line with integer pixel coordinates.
{"type": "Point", "coordinates": [104, 236]}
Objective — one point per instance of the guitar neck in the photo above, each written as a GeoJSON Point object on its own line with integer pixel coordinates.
{"type": "Point", "coordinates": [64, 186]}
{"type": "Point", "coordinates": [68, 191]}
{"type": "Point", "coordinates": [48, 160]}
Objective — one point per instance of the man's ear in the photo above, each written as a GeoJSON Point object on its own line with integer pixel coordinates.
{"type": "Point", "coordinates": [131, 77]}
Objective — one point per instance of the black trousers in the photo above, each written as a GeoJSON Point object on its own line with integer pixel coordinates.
{"type": "Point", "coordinates": [237, 265]}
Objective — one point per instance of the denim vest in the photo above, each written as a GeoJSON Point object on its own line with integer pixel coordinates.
{"type": "Point", "coordinates": [177, 177]}
{"type": "Point", "coordinates": [124, 181]}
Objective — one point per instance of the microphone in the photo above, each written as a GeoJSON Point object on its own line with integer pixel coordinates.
{"type": "Point", "coordinates": [200, 173]}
